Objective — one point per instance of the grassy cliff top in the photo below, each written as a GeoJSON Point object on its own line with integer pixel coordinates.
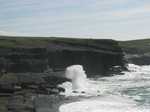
{"type": "Point", "coordinates": [13, 41]}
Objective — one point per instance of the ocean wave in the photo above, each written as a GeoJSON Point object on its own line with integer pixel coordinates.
{"type": "Point", "coordinates": [120, 93]}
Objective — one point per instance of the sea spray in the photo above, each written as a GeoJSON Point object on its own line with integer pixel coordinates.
{"type": "Point", "coordinates": [78, 77]}
{"type": "Point", "coordinates": [80, 84]}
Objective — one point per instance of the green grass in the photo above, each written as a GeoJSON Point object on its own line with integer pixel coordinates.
{"type": "Point", "coordinates": [133, 47]}
{"type": "Point", "coordinates": [17, 42]}
{"type": "Point", "coordinates": [11, 42]}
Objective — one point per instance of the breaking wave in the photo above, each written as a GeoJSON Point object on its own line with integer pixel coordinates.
{"type": "Point", "coordinates": [120, 93]}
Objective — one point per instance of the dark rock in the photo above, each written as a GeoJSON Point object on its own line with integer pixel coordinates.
{"type": "Point", "coordinates": [30, 78]}
{"type": "Point", "coordinates": [43, 104]}
{"type": "Point", "coordinates": [55, 80]}
{"type": "Point", "coordinates": [61, 89]}
{"type": "Point", "coordinates": [48, 103]}
{"type": "Point", "coordinates": [140, 60]}
{"type": "Point", "coordinates": [8, 83]}
{"type": "Point", "coordinates": [116, 70]}
{"type": "Point", "coordinates": [6, 88]}
{"type": "Point", "coordinates": [20, 103]}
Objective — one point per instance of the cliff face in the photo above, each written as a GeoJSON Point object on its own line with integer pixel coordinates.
{"type": "Point", "coordinates": [23, 59]}
{"type": "Point", "coordinates": [137, 51]}
{"type": "Point", "coordinates": [55, 54]}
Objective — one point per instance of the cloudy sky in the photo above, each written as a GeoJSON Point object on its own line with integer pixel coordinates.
{"type": "Point", "coordinates": [116, 19]}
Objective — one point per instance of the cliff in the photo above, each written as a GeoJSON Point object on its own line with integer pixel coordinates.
{"type": "Point", "coordinates": [137, 51]}
{"type": "Point", "coordinates": [37, 54]}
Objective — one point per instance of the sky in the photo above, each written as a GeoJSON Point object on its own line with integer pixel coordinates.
{"type": "Point", "coordinates": [110, 19]}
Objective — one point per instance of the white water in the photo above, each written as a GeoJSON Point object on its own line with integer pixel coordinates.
{"type": "Point", "coordinates": [120, 93]}
{"type": "Point", "coordinates": [78, 76]}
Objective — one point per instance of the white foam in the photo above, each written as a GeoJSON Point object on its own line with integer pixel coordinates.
{"type": "Point", "coordinates": [79, 79]}
{"type": "Point", "coordinates": [111, 98]}
{"type": "Point", "coordinates": [137, 76]}
{"type": "Point", "coordinates": [101, 104]}
{"type": "Point", "coordinates": [80, 83]}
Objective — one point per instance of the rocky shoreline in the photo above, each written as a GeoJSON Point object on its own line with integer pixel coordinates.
{"type": "Point", "coordinates": [22, 92]}
{"type": "Point", "coordinates": [33, 99]}
{"type": "Point", "coordinates": [31, 69]}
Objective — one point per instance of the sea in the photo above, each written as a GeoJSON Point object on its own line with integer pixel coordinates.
{"type": "Point", "coordinates": [129, 92]}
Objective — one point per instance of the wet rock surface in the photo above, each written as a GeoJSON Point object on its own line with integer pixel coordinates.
{"type": "Point", "coordinates": [31, 94]}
